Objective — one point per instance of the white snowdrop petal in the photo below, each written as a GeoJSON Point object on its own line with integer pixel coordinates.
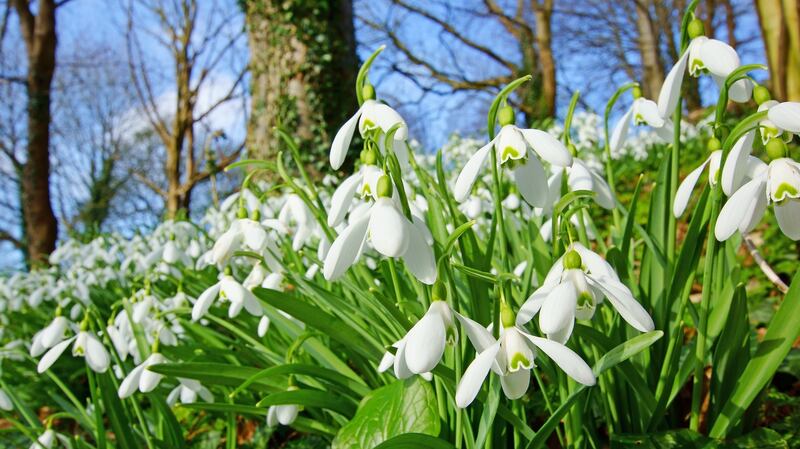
{"type": "Point", "coordinates": [739, 208]}
{"type": "Point", "coordinates": [203, 302]}
{"type": "Point", "coordinates": [516, 384]}
{"type": "Point", "coordinates": [346, 249]}
{"type": "Point", "coordinates": [671, 89]}
{"type": "Point", "coordinates": [388, 229]}
{"type": "Point", "coordinates": [734, 170]}
{"type": "Point", "coordinates": [477, 334]}
{"type": "Point", "coordinates": [685, 189]}
{"type": "Point", "coordinates": [341, 142]}
{"type": "Point", "coordinates": [419, 257]}
{"type": "Point", "coordinates": [788, 214]}
{"type": "Point", "coordinates": [425, 343]}
{"type": "Point", "coordinates": [558, 308]}
{"type": "Point", "coordinates": [786, 116]}
{"type": "Point", "coordinates": [286, 414]}
{"type": "Point", "coordinates": [5, 402]}
{"type": "Point", "coordinates": [620, 132]}
{"type": "Point", "coordinates": [342, 199]}
{"type": "Point", "coordinates": [96, 355]}
{"type": "Point", "coordinates": [475, 374]}
{"type": "Point", "coordinates": [531, 181]}
{"type": "Point", "coordinates": [469, 174]}
{"type": "Point", "coordinates": [532, 305]}
{"type": "Point", "coordinates": [547, 147]}
{"type": "Point", "coordinates": [623, 301]}
{"type": "Point", "coordinates": [52, 355]}
{"type": "Point", "coordinates": [130, 384]}
{"type": "Point", "coordinates": [566, 359]}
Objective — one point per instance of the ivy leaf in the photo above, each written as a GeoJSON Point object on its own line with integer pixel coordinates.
{"type": "Point", "coordinates": [398, 408]}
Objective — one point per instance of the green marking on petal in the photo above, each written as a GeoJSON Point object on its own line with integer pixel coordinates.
{"type": "Point", "coordinates": [785, 190]}
{"type": "Point", "coordinates": [585, 299]}
{"type": "Point", "coordinates": [518, 360]}
{"type": "Point", "coordinates": [509, 153]}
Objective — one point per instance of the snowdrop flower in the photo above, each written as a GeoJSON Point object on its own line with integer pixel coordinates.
{"type": "Point", "coordinates": [282, 414]}
{"type": "Point", "coordinates": [362, 183]}
{"type": "Point", "coordinates": [48, 337]}
{"type": "Point", "coordinates": [573, 288]}
{"type": "Point", "coordinates": [371, 116]}
{"type": "Point", "coordinates": [228, 288]}
{"type": "Point", "coordinates": [46, 440]}
{"type": "Point", "coordinates": [142, 379]}
{"type": "Point", "coordinates": [295, 211]}
{"type": "Point", "coordinates": [422, 348]}
{"type": "Point", "coordinates": [579, 177]}
{"type": "Point", "coordinates": [243, 231]}
{"type": "Point", "coordinates": [263, 326]}
{"type": "Point", "coordinates": [641, 112]}
{"type": "Point", "coordinates": [5, 401]}
{"type": "Point", "coordinates": [779, 183]}
{"type": "Point", "coordinates": [519, 150]}
{"type": "Point", "coordinates": [739, 168]}
{"type": "Point", "coordinates": [785, 117]}
{"type": "Point", "coordinates": [512, 358]}
{"type": "Point", "coordinates": [187, 392]}
{"type": "Point", "coordinates": [703, 55]}
{"type": "Point", "coordinates": [389, 232]}
{"type": "Point", "coordinates": [85, 345]}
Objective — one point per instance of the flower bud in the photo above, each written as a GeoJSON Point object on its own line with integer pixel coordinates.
{"type": "Point", "coordinates": [507, 316]}
{"type": "Point", "coordinates": [713, 144]}
{"type": "Point", "coordinates": [369, 156]}
{"type": "Point", "coordinates": [241, 213]}
{"type": "Point", "coordinates": [572, 260]}
{"type": "Point", "coordinates": [505, 116]}
{"type": "Point", "coordinates": [776, 148]}
{"type": "Point", "coordinates": [761, 95]}
{"type": "Point", "coordinates": [696, 28]}
{"type": "Point", "coordinates": [384, 187]}
{"type": "Point", "coordinates": [636, 92]}
{"type": "Point", "coordinates": [573, 150]}
{"type": "Point", "coordinates": [256, 215]}
{"type": "Point", "coordinates": [367, 91]}
{"type": "Point", "coordinates": [439, 292]}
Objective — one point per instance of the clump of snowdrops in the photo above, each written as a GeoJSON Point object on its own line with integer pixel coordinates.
{"type": "Point", "coordinates": [497, 294]}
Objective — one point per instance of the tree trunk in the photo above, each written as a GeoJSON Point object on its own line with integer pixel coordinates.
{"type": "Point", "coordinates": [652, 68]}
{"type": "Point", "coordinates": [547, 65]}
{"type": "Point", "coordinates": [39, 34]}
{"type": "Point", "coordinates": [303, 67]}
{"type": "Point", "coordinates": [781, 33]}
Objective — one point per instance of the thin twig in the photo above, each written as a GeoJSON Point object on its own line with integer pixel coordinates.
{"type": "Point", "coordinates": [765, 267]}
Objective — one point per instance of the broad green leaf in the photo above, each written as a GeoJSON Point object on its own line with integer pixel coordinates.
{"type": "Point", "coordinates": [310, 398]}
{"type": "Point", "coordinates": [732, 352]}
{"type": "Point", "coordinates": [414, 441]}
{"type": "Point", "coordinates": [401, 407]}
{"type": "Point", "coordinates": [123, 432]}
{"type": "Point", "coordinates": [781, 334]}
{"type": "Point", "coordinates": [215, 374]}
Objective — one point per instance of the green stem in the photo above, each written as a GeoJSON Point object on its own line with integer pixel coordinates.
{"type": "Point", "coordinates": [100, 431]}
{"type": "Point", "coordinates": [702, 327]}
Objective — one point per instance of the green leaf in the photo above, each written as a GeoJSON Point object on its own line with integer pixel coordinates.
{"type": "Point", "coordinates": [732, 351]}
{"type": "Point", "coordinates": [781, 334]}
{"type": "Point", "coordinates": [398, 408]}
{"type": "Point", "coordinates": [116, 414]}
{"type": "Point", "coordinates": [763, 438]}
{"type": "Point", "coordinates": [414, 441]}
{"type": "Point", "coordinates": [316, 372]}
{"type": "Point", "coordinates": [214, 373]}
{"type": "Point", "coordinates": [310, 398]}
{"type": "Point", "coordinates": [613, 357]}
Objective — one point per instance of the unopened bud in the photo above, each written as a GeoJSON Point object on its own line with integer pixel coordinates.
{"type": "Point", "coordinates": [505, 116]}
{"type": "Point", "coordinates": [636, 92]}
{"type": "Point", "coordinates": [714, 144]}
{"type": "Point", "coordinates": [776, 148]}
{"type": "Point", "coordinates": [761, 95]}
{"type": "Point", "coordinates": [369, 156]}
{"type": "Point", "coordinates": [696, 28]}
{"type": "Point", "coordinates": [572, 260]}
{"type": "Point", "coordinates": [384, 187]}
{"type": "Point", "coordinates": [439, 292]}
{"type": "Point", "coordinates": [507, 316]}
{"type": "Point", "coordinates": [368, 91]}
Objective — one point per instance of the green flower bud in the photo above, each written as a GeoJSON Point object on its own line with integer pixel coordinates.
{"type": "Point", "coordinates": [385, 187]}
{"type": "Point", "coordinates": [776, 148]}
{"type": "Point", "coordinates": [228, 270]}
{"type": "Point", "coordinates": [256, 215]}
{"type": "Point", "coordinates": [367, 91]}
{"type": "Point", "coordinates": [241, 213]}
{"type": "Point", "coordinates": [713, 144]}
{"type": "Point", "coordinates": [573, 150]}
{"type": "Point", "coordinates": [369, 156]}
{"type": "Point", "coordinates": [439, 292]}
{"type": "Point", "coordinates": [505, 116]}
{"type": "Point", "coordinates": [636, 92]}
{"type": "Point", "coordinates": [696, 28]}
{"type": "Point", "coordinates": [507, 316]}
{"type": "Point", "coordinates": [572, 260]}
{"type": "Point", "coordinates": [761, 95]}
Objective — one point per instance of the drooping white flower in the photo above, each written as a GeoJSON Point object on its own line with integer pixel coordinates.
{"type": "Point", "coordinates": [187, 392]}
{"type": "Point", "coordinates": [142, 379]}
{"type": "Point", "coordinates": [371, 116]}
{"type": "Point", "coordinates": [579, 177]}
{"type": "Point", "coordinates": [703, 55]}
{"type": "Point", "coordinates": [512, 358]}
{"type": "Point", "coordinates": [263, 326]}
{"type": "Point", "coordinates": [390, 233]}
{"type": "Point", "coordinates": [47, 440]}
{"type": "Point", "coordinates": [282, 414]}
{"type": "Point", "coordinates": [573, 288]}
{"type": "Point", "coordinates": [228, 289]}
{"type": "Point", "coordinates": [641, 112]}
{"type": "Point", "coordinates": [5, 401]}
{"type": "Point", "coordinates": [362, 183]}
{"type": "Point", "coordinates": [778, 184]}
{"type": "Point", "coordinates": [422, 348]}
{"type": "Point", "coordinates": [520, 150]}
{"type": "Point", "coordinates": [48, 337]}
{"type": "Point", "coordinates": [297, 217]}
{"type": "Point", "coordinates": [85, 345]}
{"type": "Point", "coordinates": [242, 232]}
